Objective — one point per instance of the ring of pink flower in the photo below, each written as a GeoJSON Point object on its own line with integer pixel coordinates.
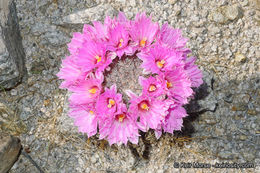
{"type": "Point", "coordinates": [159, 107]}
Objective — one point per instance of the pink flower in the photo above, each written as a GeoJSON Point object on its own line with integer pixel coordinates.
{"type": "Point", "coordinates": [168, 87]}
{"type": "Point", "coordinates": [171, 38]}
{"type": "Point", "coordinates": [97, 33]}
{"type": "Point", "coordinates": [160, 59]}
{"type": "Point", "coordinates": [143, 31]}
{"type": "Point", "coordinates": [76, 43]}
{"type": "Point", "coordinates": [108, 22]}
{"type": "Point", "coordinates": [93, 56]}
{"type": "Point", "coordinates": [193, 72]}
{"type": "Point", "coordinates": [174, 119]}
{"type": "Point", "coordinates": [108, 102]}
{"type": "Point", "coordinates": [119, 127]}
{"type": "Point", "coordinates": [121, 18]}
{"type": "Point", "coordinates": [87, 91]}
{"type": "Point", "coordinates": [85, 118]}
{"type": "Point", "coordinates": [118, 40]}
{"type": "Point", "coordinates": [152, 86]}
{"type": "Point", "coordinates": [71, 73]}
{"type": "Point", "coordinates": [178, 85]}
{"type": "Point", "coordinates": [150, 110]}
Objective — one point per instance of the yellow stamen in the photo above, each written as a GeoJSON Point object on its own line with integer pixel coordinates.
{"type": "Point", "coordinates": [91, 112]}
{"type": "Point", "coordinates": [160, 64]}
{"type": "Point", "coordinates": [111, 103]}
{"type": "Point", "coordinates": [120, 42]}
{"type": "Point", "coordinates": [121, 117]}
{"type": "Point", "coordinates": [92, 90]}
{"type": "Point", "coordinates": [169, 84]}
{"type": "Point", "coordinates": [98, 58]}
{"type": "Point", "coordinates": [143, 42]}
{"type": "Point", "coordinates": [152, 88]}
{"type": "Point", "coordinates": [144, 106]}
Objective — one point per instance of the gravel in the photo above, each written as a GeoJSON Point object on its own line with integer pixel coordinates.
{"type": "Point", "coordinates": [223, 35]}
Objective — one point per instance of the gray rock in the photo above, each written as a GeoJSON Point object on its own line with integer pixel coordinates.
{"type": "Point", "coordinates": [12, 55]}
{"type": "Point", "coordinates": [55, 38]}
{"type": "Point", "coordinates": [226, 13]}
{"type": "Point", "coordinates": [87, 15]}
{"type": "Point", "coordinates": [249, 155]}
{"type": "Point", "coordinates": [225, 155]}
{"type": "Point", "coordinates": [232, 12]}
{"type": "Point", "coordinates": [93, 159]}
{"type": "Point", "coordinates": [244, 3]}
{"type": "Point", "coordinates": [40, 28]}
{"type": "Point", "coordinates": [9, 151]}
{"type": "Point", "coordinates": [217, 17]}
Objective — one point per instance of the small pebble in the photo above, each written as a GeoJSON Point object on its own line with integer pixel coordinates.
{"type": "Point", "coordinates": [231, 12]}
{"type": "Point", "coordinates": [240, 57]}
{"type": "Point", "coordinates": [243, 137]}
{"type": "Point", "coordinates": [251, 112]}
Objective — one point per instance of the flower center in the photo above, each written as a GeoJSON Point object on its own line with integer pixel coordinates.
{"type": "Point", "coordinates": [152, 88]}
{"type": "Point", "coordinates": [93, 90]}
{"type": "Point", "coordinates": [111, 103]}
{"type": "Point", "coordinates": [98, 58]}
{"type": "Point", "coordinates": [143, 42]}
{"type": "Point", "coordinates": [91, 112]}
{"type": "Point", "coordinates": [120, 117]}
{"type": "Point", "coordinates": [160, 64]}
{"type": "Point", "coordinates": [144, 105]}
{"type": "Point", "coordinates": [169, 84]}
{"type": "Point", "coordinates": [120, 42]}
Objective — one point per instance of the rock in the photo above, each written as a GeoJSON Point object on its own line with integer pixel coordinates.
{"type": "Point", "coordinates": [121, 1]}
{"type": "Point", "coordinates": [240, 57]}
{"type": "Point", "coordinates": [257, 16]}
{"type": "Point", "coordinates": [37, 67]}
{"type": "Point", "coordinates": [211, 121]}
{"type": "Point", "coordinates": [88, 15]}
{"type": "Point", "coordinates": [172, 2]}
{"type": "Point", "coordinates": [219, 131]}
{"type": "Point", "coordinates": [132, 3]}
{"type": "Point", "coordinates": [239, 107]}
{"type": "Point", "coordinates": [177, 9]}
{"type": "Point", "coordinates": [228, 98]}
{"type": "Point", "coordinates": [9, 151]}
{"type": "Point", "coordinates": [244, 3]}
{"type": "Point", "coordinates": [239, 117]}
{"type": "Point", "coordinates": [93, 159]}
{"type": "Point", "coordinates": [12, 55]}
{"type": "Point", "coordinates": [217, 16]}
{"type": "Point", "coordinates": [55, 38]}
{"type": "Point", "coordinates": [249, 155]}
{"type": "Point", "coordinates": [224, 14]}
{"type": "Point", "coordinates": [225, 155]}
{"type": "Point", "coordinates": [256, 4]}
{"type": "Point", "coordinates": [251, 112]}
{"type": "Point", "coordinates": [242, 137]}
{"type": "Point", "coordinates": [9, 121]}
{"type": "Point", "coordinates": [231, 12]}
{"type": "Point", "coordinates": [40, 28]}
